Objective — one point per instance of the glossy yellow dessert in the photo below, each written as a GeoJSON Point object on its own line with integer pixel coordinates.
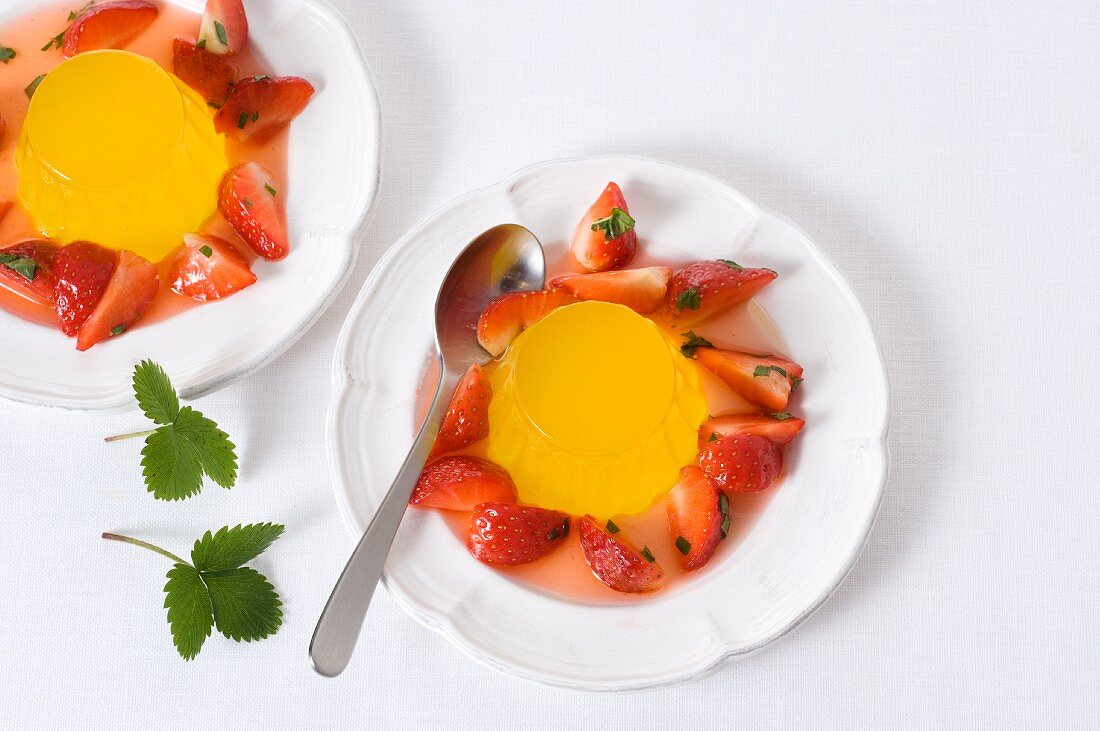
{"type": "Point", "coordinates": [118, 151]}
{"type": "Point", "coordinates": [593, 411]}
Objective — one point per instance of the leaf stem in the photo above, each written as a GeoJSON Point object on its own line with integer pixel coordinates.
{"type": "Point", "coordinates": [131, 435]}
{"type": "Point", "coordinates": [143, 544]}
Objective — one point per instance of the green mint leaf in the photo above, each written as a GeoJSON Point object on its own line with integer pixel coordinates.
{"type": "Point", "coordinates": [22, 265]}
{"type": "Point", "coordinates": [231, 548]}
{"type": "Point", "coordinates": [74, 14]}
{"type": "Point", "coordinates": [201, 44]}
{"type": "Point", "coordinates": [647, 554]}
{"type": "Point", "coordinates": [781, 415]}
{"type": "Point", "coordinates": [242, 120]}
{"type": "Point", "coordinates": [689, 299]}
{"type": "Point", "coordinates": [155, 396]}
{"type": "Point", "coordinates": [171, 465]}
{"type": "Point", "coordinates": [33, 86]}
{"type": "Point", "coordinates": [726, 526]}
{"type": "Point", "coordinates": [723, 504]}
{"type": "Point", "coordinates": [682, 545]}
{"type": "Point", "coordinates": [615, 225]}
{"type": "Point", "coordinates": [206, 251]}
{"type": "Point", "coordinates": [6, 54]}
{"type": "Point", "coordinates": [780, 371]}
{"type": "Point", "coordinates": [269, 189]}
{"type": "Point", "coordinates": [220, 30]}
{"type": "Point", "coordinates": [795, 383]}
{"type": "Point", "coordinates": [255, 116]}
{"type": "Point", "coordinates": [766, 370]}
{"type": "Point", "coordinates": [612, 528]}
{"type": "Point", "coordinates": [693, 341]}
{"type": "Point", "coordinates": [216, 453]}
{"type": "Point", "coordinates": [245, 604]}
{"type": "Point", "coordinates": [118, 330]}
{"type": "Point", "coordinates": [713, 437]}
{"type": "Point", "coordinates": [731, 264]}
{"type": "Point", "coordinates": [247, 203]}
{"type": "Point", "coordinates": [190, 614]}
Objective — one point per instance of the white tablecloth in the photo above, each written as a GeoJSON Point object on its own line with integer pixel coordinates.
{"type": "Point", "coordinates": [945, 154]}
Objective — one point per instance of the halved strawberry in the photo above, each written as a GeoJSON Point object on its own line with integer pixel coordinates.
{"type": "Point", "coordinates": [81, 273]}
{"type": "Point", "coordinates": [779, 427]}
{"type": "Point", "coordinates": [741, 463]}
{"type": "Point", "coordinates": [125, 301]}
{"type": "Point", "coordinates": [108, 25]}
{"type": "Point", "coordinates": [696, 517]}
{"type": "Point", "coordinates": [207, 73]}
{"type": "Point", "coordinates": [467, 417]}
{"type": "Point", "coordinates": [260, 106]}
{"type": "Point", "coordinates": [705, 289]}
{"type": "Point", "coordinates": [28, 267]}
{"type": "Point", "coordinates": [209, 268]}
{"type": "Point", "coordinates": [248, 200]}
{"type": "Point", "coordinates": [642, 290]}
{"type": "Point", "coordinates": [616, 562]}
{"type": "Point", "coordinates": [605, 238]}
{"type": "Point", "coordinates": [763, 379]}
{"type": "Point", "coordinates": [224, 27]}
{"type": "Point", "coordinates": [462, 483]}
{"type": "Point", "coordinates": [509, 534]}
{"type": "Point", "coordinates": [509, 314]}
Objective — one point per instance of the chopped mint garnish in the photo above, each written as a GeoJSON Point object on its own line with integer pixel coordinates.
{"type": "Point", "coordinates": [206, 251]}
{"type": "Point", "coordinates": [33, 86]}
{"type": "Point", "coordinates": [795, 383]}
{"type": "Point", "coordinates": [612, 528]}
{"type": "Point", "coordinates": [222, 35]}
{"type": "Point", "coordinates": [118, 329]}
{"type": "Point", "coordinates": [765, 370]}
{"type": "Point", "coordinates": [713, 437]}
{"type": "Point", "coordinates": [723, 503]}
{"type": "Point", "coordinates": [782, 415]}
{"type": "Point", "coordinates": [726, 526]}
{"type": "Point", "coordinates": [242, 120]}
{"type": "Point", "coordinates": [647, 554]}
{"type": "Point", "coordinates": [731, 264]}
{"type": "Point", "coordinates": [689, 299]}
{"type": "Point", "coordinates": [201, 44]}
{"type": "Point", "coordinates": [22, 265]}
{"type": "Point", "coordinates": [693, 341]}
{"type": "Point", "coordinates": [247, 203]}
{"type": "Point", "coordinates": [615, 225]}
{"type": "Point", "coordinates": [6, 54]}
{"type": "Point", "coordinates": [269, 189]}
{"type": "Point", "coordinates": [682, 545]}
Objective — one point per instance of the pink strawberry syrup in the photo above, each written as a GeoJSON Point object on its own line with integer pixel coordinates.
{"type": "Point", "coordinates": [564, 573]}
{"type": "Point", "coordinates": [27, 34]}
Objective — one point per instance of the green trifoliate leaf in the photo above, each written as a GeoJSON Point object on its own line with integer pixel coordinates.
{"type": "Point", "coordinates": [231, 548]}
{"type": "Point", "coordinates": [171, 465]}
{"type": "Point", "coordinates": [245, 605]}
{"type": "Point", "coordinates": [189, 610]}
{"type": "Point", "coordinates": [216, 453]}
{"type": "Point", "coordinates": [155, 395]}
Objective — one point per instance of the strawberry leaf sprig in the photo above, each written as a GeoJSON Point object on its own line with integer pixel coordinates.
{"type": "Point", "coordinates": [216, 589]}
{"type": "Point", "coordinates": [185, 446]}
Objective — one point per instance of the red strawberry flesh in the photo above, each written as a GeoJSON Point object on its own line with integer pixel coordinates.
{"type": "Point", "coordinates": [260, 106]}
{"type": "Point", "coordinates": [248, 200]}
{"type": "Point", "coordinates": [224, 27]}
{"type": "Point", "coordinates": [108, 25]}
{"type": "Point", "coordinates": [508, 315]}
{"type": "Point", "coordinates": [695, 518]}
{"type": "Point", "coordinates": [35, 258]}
{"type": "Point", "coordinates": [779, 428]}
{"type": "Point", "coordinates": [705, 289]}
{"type": "Point", "coordinates": [616, 562]}
{"type": "Point", "coordinates": [126, 299]}
{"type": "Point", "coordinates": [741, 463]}
{"type": "Point", "coordinates": [208, 268]}
{"type": "Point", "coordinates": [467, 419]}
{"type": "Point", "coordinates": [642, 290]}
{"type": "Point", "coordinates": [507, 534]}
{"type": "Point", "coordinates": [207, 73]}
{"type": "Point", "coordinates": [763, 379]}
{"type": "Point", "coordinates": [462, 483]}
{"type": "Point", "coordinates": [81, 273]}
{"type": "Point", "coordinates": [598, 248]}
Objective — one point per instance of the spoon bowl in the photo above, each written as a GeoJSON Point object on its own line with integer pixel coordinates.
{"type": "Point", "coordinates": [503, 259]}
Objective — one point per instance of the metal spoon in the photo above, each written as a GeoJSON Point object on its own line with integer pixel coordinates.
{"type": "Point", "coordinates": [503, 259]}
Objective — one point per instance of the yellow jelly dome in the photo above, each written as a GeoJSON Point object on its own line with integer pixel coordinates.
{"type": "Point", "coordinates": [118, 151]}
{"type": "Point", "coordinates": [594, 411]}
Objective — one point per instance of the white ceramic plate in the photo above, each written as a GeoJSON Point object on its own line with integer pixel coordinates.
{"type": "Point", "coordinates": [333, 172]}
{"type": "Point", "coordinates": [792, 559]}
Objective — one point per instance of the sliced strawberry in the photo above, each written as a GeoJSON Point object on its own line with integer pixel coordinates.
{"type": "Point", "coordinates": [249, 201]}
{"type": "Point", "coordinates": [125, 301]}
{"type": "Point", "coordinates": [260, 106]}
{"type": "Point", "coordinates": [741, 463]}
{"type": "Point", "coordinates": [763, 379]}
{"type": "Point", "coordinates": [224, 27]}
{"type": "Point", "coordinates": [509, 534]}
{"type": "Point", "coordinates": [209, 268]}
{"type": "Point", "coordinates": [616, 562]}
{"type": "Point", "coordinates": [81, 272]}
{"type": "Point", "coordinates": [510, 314]}
{"type": "Point", "coordinates": [642, 290]}
{"type": "Point", "coordinates": [207, 73]}
{"type": "Point", "coordinates": [28, 267]}
{"type": "Point", "coordinates": [780, 428]}
{"type": "Point", "coordinates": [605, 238]}
{"type": "Point", "coordinates": [696, 517]}
{"type": "Point", "coordinates": [467, 417]}
{"type": "Point", "coordinates": [706, 289]}
{"type": "Point", "coordinates": [108, 25]}
{"type": "Point", "coordinates": [462, 483]}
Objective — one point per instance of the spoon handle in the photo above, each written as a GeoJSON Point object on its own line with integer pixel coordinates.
{"type": "Point", "coordinates": [339, 625]}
